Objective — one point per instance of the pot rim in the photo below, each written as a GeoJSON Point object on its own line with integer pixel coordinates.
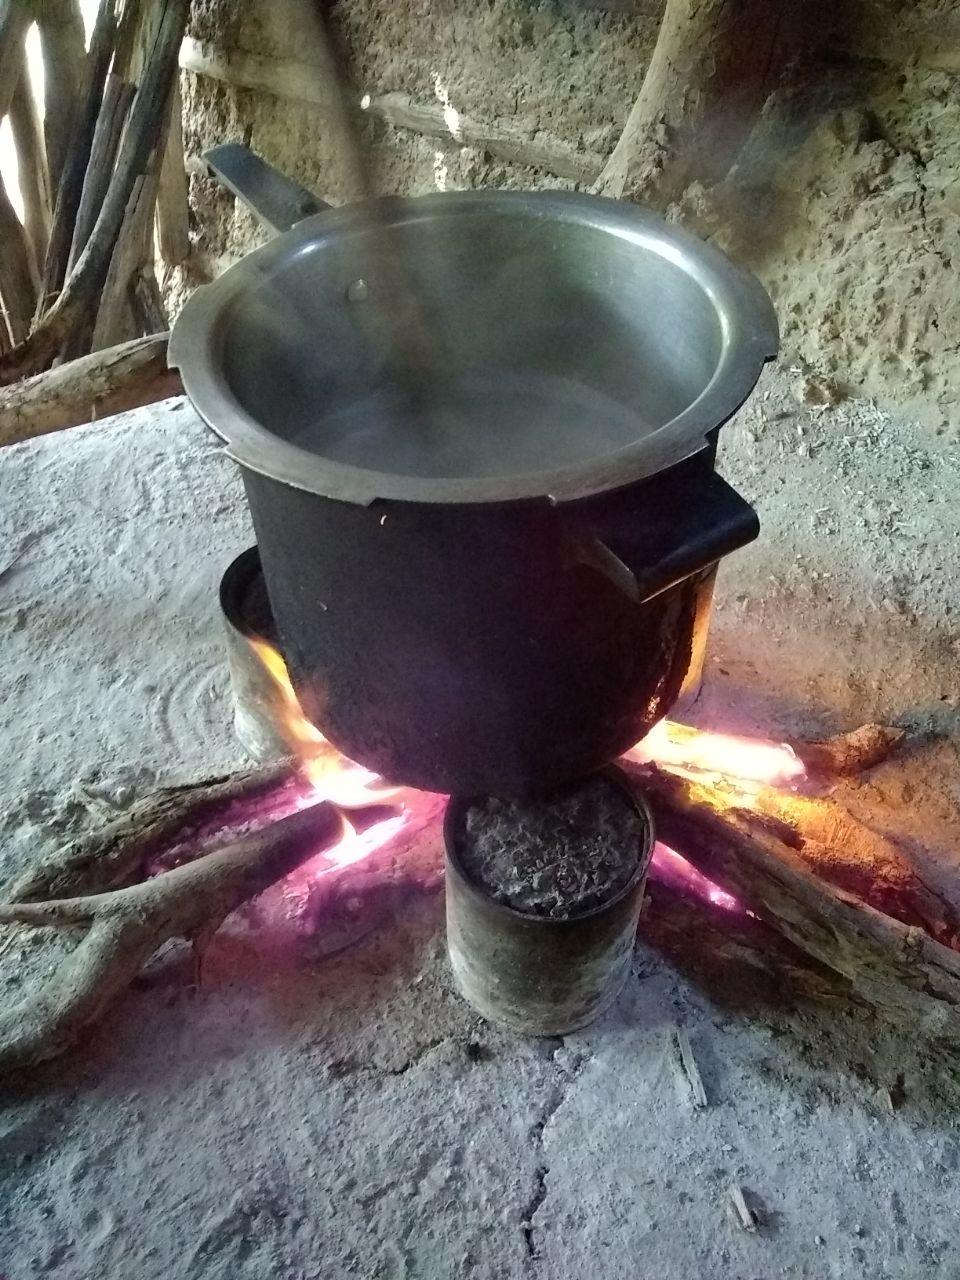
{"type": "Point", "coordinates": [452, 817]}
{"type": "Point", "coordinates": [749, 338]}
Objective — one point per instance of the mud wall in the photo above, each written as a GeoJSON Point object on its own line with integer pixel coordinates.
{"type": "Point", "coordinates": [847, 206]}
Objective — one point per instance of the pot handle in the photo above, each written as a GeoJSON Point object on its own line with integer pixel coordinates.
{"type": "Point", "coordinates": [278, 201]}
{"type": "Point", "coordinates": [669, 541]}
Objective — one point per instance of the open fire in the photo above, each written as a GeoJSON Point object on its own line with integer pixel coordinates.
{"type": "Point", "coordinates": [747, 765]}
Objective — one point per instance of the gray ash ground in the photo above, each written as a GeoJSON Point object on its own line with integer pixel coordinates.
{"type": "Point", "coordinates": [554, 856]}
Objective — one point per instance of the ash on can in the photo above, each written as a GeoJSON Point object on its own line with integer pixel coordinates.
{"type": "Point", "coordinates": [554, 856]}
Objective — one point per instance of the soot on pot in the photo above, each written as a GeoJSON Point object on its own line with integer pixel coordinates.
{"type": "Point", "coordinates": [554, 856]}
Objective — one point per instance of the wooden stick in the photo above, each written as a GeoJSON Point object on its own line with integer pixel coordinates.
{"type": "Point", "coordinates": [173, 224]}
{"type": "Point", "coordinates": [744, 1214]}
{"type": "Point", "coordinates": [18, 292]}
{"type": "Point", "coordinates": [847, 754]}
{"type": "Point", "coordinates": [74, 167]}
{"type": "Point", "coordinates": [63, 46]}
{"type": "Point", "coordinates": [115, 320]}
{"type": "Point", "coordinates": [117, 96]}
{"type": "Point", "coordinates": [121, 852]}
{"type": "Point", "coordinates": [85, 390]}
{"type": "Point", "coordinates": [688, 1065]}
{"type": "Point", "coordinates": [134, 31]}
{"type": "Point", "coordinates": [301, 81]}
{"type": "Point", "coordinates": [147, 303]}
{"type": "Point", "coordinates": [127, 925]}
{"type": "Point", "coordinates": [14, 20]}
{"type": "Point", "coordinates": [81, 294]}
{"type": "Point", "coordinates": [32, 165]}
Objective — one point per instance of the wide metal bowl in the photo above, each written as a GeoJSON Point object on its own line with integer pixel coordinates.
{"type": "Point", "coordinates": [642, 320]}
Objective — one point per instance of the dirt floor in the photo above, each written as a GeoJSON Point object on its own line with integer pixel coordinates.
{"type": "Point", "coordinates": [304, 1117]}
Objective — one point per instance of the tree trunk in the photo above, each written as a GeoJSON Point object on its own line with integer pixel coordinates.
{"type": "Point", "coordinates": [706, 82]}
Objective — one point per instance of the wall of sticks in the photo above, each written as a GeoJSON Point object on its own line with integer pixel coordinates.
{"type": "Point", "coordinates": [102, 178]}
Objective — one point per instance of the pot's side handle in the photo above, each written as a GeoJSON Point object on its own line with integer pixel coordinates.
{"type": "Point", "coordinates": [720, 521]}
{"type": "Point", "coordinates": [278, 201]}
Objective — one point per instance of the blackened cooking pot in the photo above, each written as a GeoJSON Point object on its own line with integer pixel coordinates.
{"type": "Point", "coordinates": [520, 608]}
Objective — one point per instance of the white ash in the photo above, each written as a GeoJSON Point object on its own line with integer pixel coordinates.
{"type": "Point", "coordinates": [557, 855]}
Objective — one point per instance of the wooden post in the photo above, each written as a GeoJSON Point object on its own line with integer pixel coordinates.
{"type": "Point", "coordinates": [78, 152]}
{"type": "Point", "coordinates": [117, 95]}
{"type": "Point", "coordinates": [32, 164]}
{"type": "Point", "coordinates": [705, 85]}
{"type": "Point", "coordinates": [116, 317]}
{"type": "Point", "coordinates": [173, 228]}
{"type": "Point", "coordinates": [63, 45]}
{"type": "Point", "coordinates": [14, 21]}
{"type": "Point", "coordinates": [17, 283]}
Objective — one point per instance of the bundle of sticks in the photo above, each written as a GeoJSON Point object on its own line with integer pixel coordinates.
{"type": "Point", "coordinates": [829, 906]}
{"type": "Point", "coordinates": [107, 160]}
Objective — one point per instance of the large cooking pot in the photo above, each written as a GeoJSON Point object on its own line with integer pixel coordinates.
{"type": "Point", "coordinates": [517, 596]}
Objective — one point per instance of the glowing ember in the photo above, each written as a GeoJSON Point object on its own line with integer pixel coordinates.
{"type": "Point", "coordinates": [697, 753]}
{"type": "Point", "coordinates": [671, 868]}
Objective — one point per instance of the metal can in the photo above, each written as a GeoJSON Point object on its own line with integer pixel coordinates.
{"type": "Point", "coordinates": [539, 975]}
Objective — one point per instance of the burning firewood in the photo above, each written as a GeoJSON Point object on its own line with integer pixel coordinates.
{"type": "Point", "coordinates": [765, 862]}
{"type": "Point", "coordinates": [847, 754]}
{"type": "Point", "coordinates": [843, 898]}
{"type": "Point", "coordinates": [125, 926]}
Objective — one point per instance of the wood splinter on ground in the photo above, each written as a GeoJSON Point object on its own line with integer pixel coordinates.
{"type": "Point", "coordinates": [688, 1066]}
{"type": "Point", "coordinates": [746, 1218]}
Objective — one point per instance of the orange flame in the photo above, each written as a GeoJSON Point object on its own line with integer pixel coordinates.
{"type": "Point", "coordinates": [331, 775]}
{"type": "Point", "coordinates": [697, 753]}
{"type": "Point", "coordinates": [745, 763]}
